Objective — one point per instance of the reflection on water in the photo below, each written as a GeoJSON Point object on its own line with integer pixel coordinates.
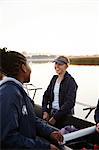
{"type": "Point", "coordinates": [87, 78]}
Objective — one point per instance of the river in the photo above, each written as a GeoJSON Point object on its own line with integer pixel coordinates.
{"type": "Point", "coordinates": [87, 78]}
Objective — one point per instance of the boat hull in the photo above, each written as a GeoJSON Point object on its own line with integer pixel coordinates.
{"type": "Point", "coordinates": [77, 142]}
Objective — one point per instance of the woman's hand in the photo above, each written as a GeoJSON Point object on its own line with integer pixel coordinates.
{"type": "Point", "coordinates": [52, 121]}
{"type": "Point", "coordinates": [53, 147]}
{"type": "Point", "coordinates": [97, 127]}
{"type": "Point", "coordinates": [57, 136]}
{"type": "Point", "coordinates": [46, 116]}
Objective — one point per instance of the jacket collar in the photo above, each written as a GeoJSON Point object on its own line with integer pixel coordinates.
{"type": "Point", "coordinates": [7, 79]}
{"type": "Point", "coordinates": [65, 75]}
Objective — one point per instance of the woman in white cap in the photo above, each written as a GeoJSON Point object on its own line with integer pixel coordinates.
{"type": "Point", "coordinates": [59, 98]}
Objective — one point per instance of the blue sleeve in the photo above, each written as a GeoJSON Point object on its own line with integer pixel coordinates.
{"type": "Point", "coordinates": [43, 129]}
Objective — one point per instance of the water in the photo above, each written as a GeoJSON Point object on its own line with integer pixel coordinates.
{"type": "Point", "coordinates": [87, 78]}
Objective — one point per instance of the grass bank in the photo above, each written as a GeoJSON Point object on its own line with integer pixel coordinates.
{"type": "Point", "coordinates": [84, 60]}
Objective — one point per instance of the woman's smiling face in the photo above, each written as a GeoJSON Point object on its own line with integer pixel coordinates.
{"type": "Point", "coordinates": [60, 68]}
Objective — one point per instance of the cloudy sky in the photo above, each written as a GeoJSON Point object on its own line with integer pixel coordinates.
{"type": "Point", "coordinates": [68, 27]}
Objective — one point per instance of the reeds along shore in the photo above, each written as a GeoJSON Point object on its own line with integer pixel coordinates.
{"type": "Point", "coordinates": [84, 60]}
{"type": "Point", "coordinates": [74, 60]}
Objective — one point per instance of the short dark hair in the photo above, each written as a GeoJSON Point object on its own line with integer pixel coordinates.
{"type": "Point", "coordinates": [11, 62]}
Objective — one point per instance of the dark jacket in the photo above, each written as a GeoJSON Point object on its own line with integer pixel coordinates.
{"type": "Point", "coordinates": [96, 116]}
{"type": "Point", "coordinates": [19, 125]}
{"type": "Point", "coordinates": [67, 96]}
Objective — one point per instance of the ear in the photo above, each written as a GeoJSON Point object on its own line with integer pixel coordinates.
{"type": "Point", "coordinates": [24, 68]}
{"type": "Point", "coordinates": [66, 66]}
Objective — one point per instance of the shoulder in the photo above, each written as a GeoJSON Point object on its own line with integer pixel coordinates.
{"type": "Point", "coordinates": [70, 78]}
{"type": "Point", "coordinates": [11, 90]}
{"type": "Point", "coordinates": [9, 86]}
{"type": "Point", "coordinates": [53, 78]}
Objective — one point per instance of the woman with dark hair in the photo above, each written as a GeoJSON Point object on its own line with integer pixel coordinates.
{"type": "Point", "coordinates": [19, 125]}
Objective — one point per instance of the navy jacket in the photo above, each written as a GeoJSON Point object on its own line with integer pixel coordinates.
{"type": "Point", "coordinates": [19, 125]}
{"type": "Point", "coordinates": [67, 96]}
{"type": "Point", "coordinates": [96, 116]}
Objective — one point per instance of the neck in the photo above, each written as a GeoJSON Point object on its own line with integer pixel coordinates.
{"type": "Point", "coordinates": [20, 79]}
{"type": "Point", "coordinates": [61, 76]}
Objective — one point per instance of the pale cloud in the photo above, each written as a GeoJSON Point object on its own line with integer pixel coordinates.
{"type": "Point", "coordinates": [53, 26]}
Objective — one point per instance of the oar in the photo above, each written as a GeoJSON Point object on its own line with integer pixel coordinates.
{"type": "Point", "coordinates": [88, 107]}
{"type": "Point", "coordinates": [79, 133]}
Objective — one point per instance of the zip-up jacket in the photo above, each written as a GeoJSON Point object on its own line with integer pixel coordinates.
{"type": "Point", "coordinates": [67, 96]}
{"type": "Point", "coordinates": [19, 126]}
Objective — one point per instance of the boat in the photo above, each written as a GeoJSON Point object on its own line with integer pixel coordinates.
{"type": "Point", "coordinates": [79, 139]}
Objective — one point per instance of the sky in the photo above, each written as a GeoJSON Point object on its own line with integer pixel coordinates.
{"type": "Point", "coordinates": [69, 27]}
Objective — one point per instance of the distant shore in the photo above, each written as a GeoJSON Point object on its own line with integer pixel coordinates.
{"type": "Point", "coordinates": [74, 60]}
{"type": "Point", "coordinates": [85, 60]}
